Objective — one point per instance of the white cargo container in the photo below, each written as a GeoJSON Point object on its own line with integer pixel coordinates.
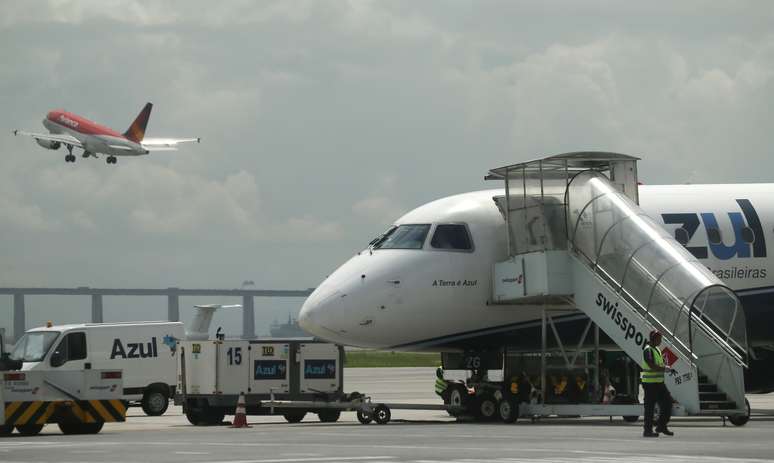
{"type": "Point", "coordinates": [144, 351]}
{"type": "Point", "coordinates": [212, 374]}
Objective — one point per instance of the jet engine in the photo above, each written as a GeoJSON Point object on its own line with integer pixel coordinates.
{"type": "Point", "coordinates": [48, 144]}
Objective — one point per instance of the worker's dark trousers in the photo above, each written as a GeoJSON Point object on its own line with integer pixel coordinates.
{"type": "Point", "coordinates": [657, 393]}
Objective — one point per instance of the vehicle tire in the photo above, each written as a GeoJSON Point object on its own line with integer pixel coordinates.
{"type": "Point", "coordinates": [204, 416]}
{"type": "Point", "coordinates": [486, 408]}
{"type": "Point", "coordinates": [382, 414]}
{"type": "Point", "coordinates": [6, 430]}
{"type": "Point", "coordinates": [80, 428]}
{"type": "Point", "coordinates": [458, 399]}
{"type": "Point", "coordinates": [29, 429]}
{"type": "Point", "coordinates": [155, 402]}
{"type": "Point", "coordinates": [364, 417]}
{"type": "Point", "coordinates": [294, 416]}
{"type": "Point", "coordinates": [329, 416]}
{"type": "Point", "coordinates": [626, 400]}
{"type": "Point", "coordinates": [195, 417]}
{"type": "Point", "coordinates": [508, 410]}
{"type": "Point", "coordinates": [214, 417]}
{"type": "Point", "coordinates": [741, 420]}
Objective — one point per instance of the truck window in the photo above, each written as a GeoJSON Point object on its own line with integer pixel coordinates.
{"type": "Point", "coordinates": [73, 346]}
{"type": "Point", "coordinates": [33, 346]}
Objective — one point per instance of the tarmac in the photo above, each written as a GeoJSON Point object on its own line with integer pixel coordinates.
{"type": "Point", "coordinates": [412, 436]}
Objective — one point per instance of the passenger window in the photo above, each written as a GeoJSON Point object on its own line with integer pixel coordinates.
{"type": "Point", "coordinates": [405, 237]}
{"type": "Point", "coordinates": [72, 347]}
{"type": "Point", "coordinates": [451, 236]}
{"type": "Point", "coordinates": [713, 235]}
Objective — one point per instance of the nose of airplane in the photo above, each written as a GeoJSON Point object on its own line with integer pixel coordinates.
{"type": "Point", "coordinates": [315, 313]}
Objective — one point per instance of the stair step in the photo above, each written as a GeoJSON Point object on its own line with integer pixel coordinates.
{"type": "Point", "coordinates": [717, 405]}
{"type": "Point", "coordinates": [703, 379]}
{"type": "Point", "coordinates": [706, 387]}
{"type": "Point", "coordinates": [713, 397]}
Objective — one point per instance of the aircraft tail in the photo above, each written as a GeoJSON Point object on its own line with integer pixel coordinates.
{"type": "Point", "coordinates": [136, 131]}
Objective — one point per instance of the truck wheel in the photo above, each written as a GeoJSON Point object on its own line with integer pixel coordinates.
{"type": "Point", "coordinates": [154, 402]}
{"type": "Point", "coordinates": [508, 410]}
{"type": "Point", "coordinates": [458, 399]}
{"type": "Point", "coordinates": [741, 420]}
{"type": "Point", "coordinates": [382, 414]}
{"type": "Point", "coordinates": [80, 428]}
{"type": "Point", "coordinates": [329, 416]}
{"type": "Point", "coordinates": [364, 417]}
{"type": "Point", "coordinates": [294, 416]}
{"type": "Point", "coordinates": [29, 429]}
{"type": "Point", "coordinates": [214, 417]}
{"type": "Point", "coordinates": [486, 409]}
{"type": "Point", "coordinates": [195, 417]}
{"type": "Point", "coordinates": [6, 430]}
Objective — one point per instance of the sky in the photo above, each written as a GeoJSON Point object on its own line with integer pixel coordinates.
{"type": "Point", "coordinates": [323, 121]}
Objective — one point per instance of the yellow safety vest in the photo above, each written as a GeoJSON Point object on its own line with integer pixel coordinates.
{"type": "Point", "coordinates": [440, 386]}
{"type": "Point", "coordinates": [648, 376]}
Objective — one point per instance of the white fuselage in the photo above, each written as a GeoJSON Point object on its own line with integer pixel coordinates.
{"type": "Point", "coordinates": [430, 298]}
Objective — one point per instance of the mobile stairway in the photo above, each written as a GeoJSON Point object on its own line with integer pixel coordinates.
{"type": "Point", "coordinates": [577, 237]}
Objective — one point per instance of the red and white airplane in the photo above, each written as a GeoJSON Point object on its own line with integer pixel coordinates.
{"type": "Point", "coordinates": [74, 131]}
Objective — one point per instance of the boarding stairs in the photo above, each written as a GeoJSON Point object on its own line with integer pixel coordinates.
{"type": "Point", "coordinates": [575, 233]}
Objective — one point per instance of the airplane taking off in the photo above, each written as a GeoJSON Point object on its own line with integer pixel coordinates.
{"type": "Point", "coordinates": [428, 283]}
{"type": "Point", "coordinates": [74, 131]}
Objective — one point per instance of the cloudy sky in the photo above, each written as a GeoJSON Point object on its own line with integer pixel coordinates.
{"type": "Point", "coordinates": [321, 122]}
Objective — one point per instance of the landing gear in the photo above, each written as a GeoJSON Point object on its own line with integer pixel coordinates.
{"type": "Point", "coordinates": [111, 160]}
{"type": "Point", "coordinates": [70, 157]}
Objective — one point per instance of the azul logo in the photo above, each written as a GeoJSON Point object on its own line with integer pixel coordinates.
{"type": "Point", "coordinates": [270, 369]}
{"type": "Point", "coordinates": [748, 238]}
{"type": "Point", "coordinates": [134, 350]}
{"type": "Point", "coordinates": [319, 369]}
{"type": "Point", "coordinates": [67, 121]}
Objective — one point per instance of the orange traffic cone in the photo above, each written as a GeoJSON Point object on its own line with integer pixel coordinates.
{"type": "Point", "coordinates": [240, 417]}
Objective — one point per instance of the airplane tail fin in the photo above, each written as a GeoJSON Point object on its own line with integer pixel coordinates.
{"type": "Point", "coordinates": [136, 131]}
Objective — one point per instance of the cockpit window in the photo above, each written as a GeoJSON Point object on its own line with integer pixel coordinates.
{"type": "Point", "coordinates": [405, 237]}
{"type": "Point", "coordinates": [451, 236]}
{"type": "Point", "coordinates": [378, 240]}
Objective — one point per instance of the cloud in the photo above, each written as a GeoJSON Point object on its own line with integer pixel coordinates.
{"type": "Point", "coordinates": [322, 122]}
{"type": "Point", "coordinates": [382, 205]}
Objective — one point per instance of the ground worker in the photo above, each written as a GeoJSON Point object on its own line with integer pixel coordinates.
{"type": "Point", "coordinates": [440, 384]}
{"type": "Point", "coordinates": [652, 378]}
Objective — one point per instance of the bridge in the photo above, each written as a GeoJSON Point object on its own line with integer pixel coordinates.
{"type": "Point", "coordinates": [173, 300]}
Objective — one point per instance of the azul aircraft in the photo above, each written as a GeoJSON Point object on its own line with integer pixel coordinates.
{"type": "Point", "coordinates": [426, 283]}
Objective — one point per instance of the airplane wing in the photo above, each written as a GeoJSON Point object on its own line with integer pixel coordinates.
{"type": "Point", "coordinates": [61, 138]}
{"type": "Point", "coordinates": [166, 144]}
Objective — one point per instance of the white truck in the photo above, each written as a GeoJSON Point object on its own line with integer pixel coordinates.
{"type": "Point", "coordinates": [143, 351]}
{"type": "Point", "coordinates": [78, 401]}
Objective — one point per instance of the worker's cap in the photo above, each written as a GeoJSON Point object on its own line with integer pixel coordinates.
{"type": "Point", "coordinates": [655, 333]}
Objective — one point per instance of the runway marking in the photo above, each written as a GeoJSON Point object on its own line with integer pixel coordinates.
{"type": "Point", "coordinates": [183, 452]}
{"type": "Point", "coordinates": [301, 460]}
